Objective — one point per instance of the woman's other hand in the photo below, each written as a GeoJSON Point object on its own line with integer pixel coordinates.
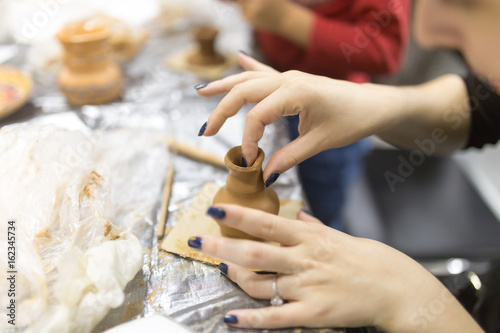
{"type": "Point", "coordinates": [330, 279]}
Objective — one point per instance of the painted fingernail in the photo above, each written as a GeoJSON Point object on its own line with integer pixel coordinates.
{"type": "Point", "coordinates": [200, 86]}
{"type": "Point", "coordinates": [244, 162]}
{"type": "Point", "coordinates": [241, 51]}
{"type": "Point", "coordinates": [195, 243]}
{"type": "Point", "coordinates": [202, 129]}
{"type": "Point", "coordinates": [216, 213]}
{"type": "Point", "coordinates": [230, 319]}
{"type": "Point", "coordinates": [223, 268]}
{"type": "Point", "coordinates": [272, 178]}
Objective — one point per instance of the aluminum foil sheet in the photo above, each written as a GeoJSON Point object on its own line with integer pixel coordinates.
{"type": "Point", "coordinates": [159, 99]}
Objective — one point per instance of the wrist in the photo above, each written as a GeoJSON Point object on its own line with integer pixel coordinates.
{"type": "Point", "coordinates": [408, 305]}
{"type": "Point", "coordinates": [429, 308]}
{"type": "Point", "coordinates": [415, 312]}
{"type": "Point", "coordinates": [386, 107]}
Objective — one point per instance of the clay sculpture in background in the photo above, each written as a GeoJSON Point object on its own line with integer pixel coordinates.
{"type": "Point", "coordinates": [203, 59]}
{"type": "Point", "coordinates": [89, 75]}
{"type": "Point", "coordinates": [206, 54]}
{"type": "Point", "coordinates": [126, 41]}
{"type": "Point", "coordinates": [245, 187]}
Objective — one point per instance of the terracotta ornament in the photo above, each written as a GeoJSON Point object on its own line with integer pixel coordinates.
{"type": "Point", "coordinates": [203, 59]}
{"type": "Point", "coordinates": [206, 55]}
{"type": "Point", "coordinates": [89, 75]}
{"type": "Point", "coordinates": [245, 187]}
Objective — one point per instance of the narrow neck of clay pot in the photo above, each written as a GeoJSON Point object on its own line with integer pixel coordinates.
{"type": "Point", "coordinates": [243, 180]}
{"type": "Point", "coordinates": [207, 48]}
{"type": "Point", "coordinates": [206, 39]}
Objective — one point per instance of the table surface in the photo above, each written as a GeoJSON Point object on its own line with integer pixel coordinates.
{"type": "Point", "coordinates": [190, 292]}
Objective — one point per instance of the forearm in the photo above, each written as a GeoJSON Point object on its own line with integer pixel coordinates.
{"type": "Point", "coordinates": [296, 24]}
{"type": "Point", "coordinates": [437, 112]}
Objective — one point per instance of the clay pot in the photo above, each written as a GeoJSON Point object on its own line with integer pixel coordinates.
{"type": "Point", "coordinates": [206, 54]}
{"type": "Point", "coordinates": [245, 187]}
{"type": "Point", "coordinates": [89, 75]}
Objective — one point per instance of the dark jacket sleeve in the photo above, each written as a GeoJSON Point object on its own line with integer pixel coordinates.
{"type": "Point", "coordinates": [485, 113]}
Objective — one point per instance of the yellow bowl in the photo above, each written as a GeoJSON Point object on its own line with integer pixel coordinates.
{"type": "Point", "coordinates": [15, 90]}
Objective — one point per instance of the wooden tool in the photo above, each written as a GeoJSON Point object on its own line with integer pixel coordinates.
{"type": "Point", "coordinates": [167, 190]}
{"type": "Point", "coordinates": [195, 153]}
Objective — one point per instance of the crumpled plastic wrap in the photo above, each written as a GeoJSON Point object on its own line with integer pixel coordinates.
{"type": "Point", "coordinates": [76, 196]}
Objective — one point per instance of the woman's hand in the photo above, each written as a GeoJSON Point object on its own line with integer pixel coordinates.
{"type": "Point", "coordinates": [329, 278]}
{"type": "Point", "coordinates": [332, 113]}
{"type": "Point", "coordinates": [336, 113]}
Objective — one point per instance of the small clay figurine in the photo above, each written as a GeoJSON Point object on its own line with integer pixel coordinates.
{"type": "Point", "coordinates": [245, 187]}
{"type": "Point", "coordinates": [89, 75]}
{"type": "Point", "coordinates": [206, 54]}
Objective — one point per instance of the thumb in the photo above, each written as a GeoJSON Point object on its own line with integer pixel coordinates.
{"type": "Point", "coordinates": [250, 64]}
{"type": "Point", "coordinates": [302, 215]}
{"type": "Point", "coordinates": [292, 154]}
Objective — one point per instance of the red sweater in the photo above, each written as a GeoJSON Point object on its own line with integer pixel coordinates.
{"type": "Point", "coordinates": [351, 39]}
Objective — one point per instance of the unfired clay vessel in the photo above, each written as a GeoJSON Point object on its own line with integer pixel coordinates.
{"type": "Point", "coordinates": [245, 187]}
{"type": "Point", "coordinates": [206, 54]}
{"type": "Point", "coordinates": [89, 75]}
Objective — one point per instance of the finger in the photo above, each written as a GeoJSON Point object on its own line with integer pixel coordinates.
{"type": "Point", "coordinates": [251, 64]}
{"type": "Point", "coordinates": [288, 315]}
{"type": "Point", "coordinates": [268, 111]}
{"type": "Point", "coordinates": [260, 224]}
{"type": "Point", "coordinates": [252, 91]}
{"type": "Point", "coordinates": [256, 285]}
{"type": "Point", "coordinates": [251, 254]}
{"type": "Point", "coordinates": [306, 217]}
{"type": "Point", "coordinates": [260, 285]}
{"type": "Point", "coordinates": [226, 84]}
{"type": "Point", "coordinates": [292, 154]}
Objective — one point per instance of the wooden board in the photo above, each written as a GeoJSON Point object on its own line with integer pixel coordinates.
{"type": "Point", "coordinates": [194, 221]}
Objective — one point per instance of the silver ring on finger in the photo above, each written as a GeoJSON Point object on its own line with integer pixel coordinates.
{"type": "Point", "coordinates": [276, 300]}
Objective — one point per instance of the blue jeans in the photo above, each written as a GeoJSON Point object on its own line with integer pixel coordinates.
{"type": "Point", "coordinates": [326, 176]}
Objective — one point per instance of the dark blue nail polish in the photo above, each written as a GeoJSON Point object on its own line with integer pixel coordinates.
{"type": "Point", "coordinates": [244, 162]}
{"type": "Point", "coordinates": [200, 86]}
{"type": "Point", "coordinates": [241, 51]}
{"type": "Point", "coordinates": [195, 243]}
{"type": "Point", "coordinates": [272, 178]}
{"type": "Point", "coordinates": [216, 213]}
{"type": "Point", "coordinates": [305, 211]}
{"type": "Point", "coordinates": [230, 319]}
{"type": "Point", "coordinates": [223, 268]}
{"type": "Point", "coordinates": [202, 129]}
